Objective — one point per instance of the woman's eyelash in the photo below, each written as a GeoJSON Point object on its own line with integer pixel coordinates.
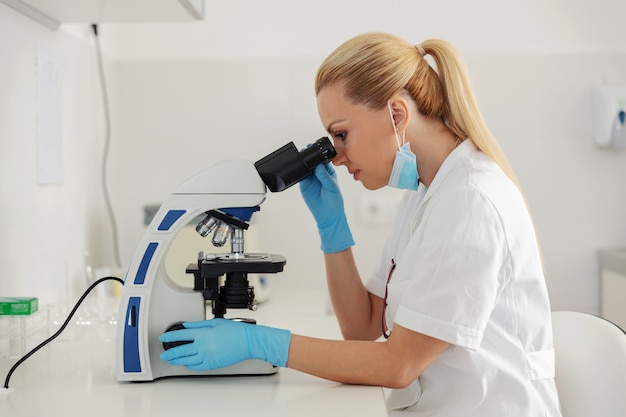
{"type": "Point", "coordinates": [339, 135]}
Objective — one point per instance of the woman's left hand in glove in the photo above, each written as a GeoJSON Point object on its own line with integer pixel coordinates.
{"type": "Point", "coordinates": [218, 343]}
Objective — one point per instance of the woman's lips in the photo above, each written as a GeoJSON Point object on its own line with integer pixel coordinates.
{"type": "Point", "coordinates": [355, 174]}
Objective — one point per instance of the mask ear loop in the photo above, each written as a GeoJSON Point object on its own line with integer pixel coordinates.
{"type": "Point", "coordinates": [395, 129]}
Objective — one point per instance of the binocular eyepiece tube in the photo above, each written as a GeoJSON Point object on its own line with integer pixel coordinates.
{"type": "Point", "coordinates": [287, 166]}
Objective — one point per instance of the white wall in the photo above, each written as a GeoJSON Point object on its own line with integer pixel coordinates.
{"type": "Point", "coordinates": [46, 230]}
{"type": "Point", "coordinates": [240, 84]}
{"type": "Point", "coordinates": [251, 28]}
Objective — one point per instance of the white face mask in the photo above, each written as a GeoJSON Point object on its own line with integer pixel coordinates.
{"type": "Point", "coordinates": [404, 171]}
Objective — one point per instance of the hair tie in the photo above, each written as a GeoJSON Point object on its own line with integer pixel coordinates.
{"type": "Point", "coordinates": [420, 50]}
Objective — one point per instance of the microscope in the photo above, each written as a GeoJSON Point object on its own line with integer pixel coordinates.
{"type": "Point", "coordinates": [225, 196]}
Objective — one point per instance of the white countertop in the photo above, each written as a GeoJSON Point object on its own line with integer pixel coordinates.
{"type": "Point", "coordinates": [76, 377]}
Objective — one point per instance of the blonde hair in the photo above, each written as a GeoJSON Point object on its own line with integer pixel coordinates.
{"type": "Point", "coordinates": [372, 67]}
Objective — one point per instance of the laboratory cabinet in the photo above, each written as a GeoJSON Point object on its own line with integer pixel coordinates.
{"type": "Point", "coordinates": [52, 13]}
{"type": "Point", "coordinates": [612, 264]}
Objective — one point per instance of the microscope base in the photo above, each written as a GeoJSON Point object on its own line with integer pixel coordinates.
{"type": "Point", "coordinates": [246, 368]}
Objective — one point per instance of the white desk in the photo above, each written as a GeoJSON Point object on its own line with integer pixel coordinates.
{"type": "Point", "coordinates": [77, 378]}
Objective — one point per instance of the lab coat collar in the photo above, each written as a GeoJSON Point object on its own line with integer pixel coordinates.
{"type": "Point", "coordinates": [460, 152]}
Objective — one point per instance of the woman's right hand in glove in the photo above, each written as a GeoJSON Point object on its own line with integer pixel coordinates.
{"type": "Point", "coordinates": [322, 195]}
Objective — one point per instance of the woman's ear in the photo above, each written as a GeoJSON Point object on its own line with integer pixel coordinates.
{"type": "Point", "coordinates": [399, 112]}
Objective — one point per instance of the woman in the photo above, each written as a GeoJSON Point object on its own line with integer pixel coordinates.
{"type": "Point", "coordinates": [456, 319]}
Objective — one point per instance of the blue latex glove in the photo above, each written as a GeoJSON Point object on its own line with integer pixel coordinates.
{"type": "Point", "coordinates": [322, 195]}
{"type": "Point", "coordinates": [219, 343]}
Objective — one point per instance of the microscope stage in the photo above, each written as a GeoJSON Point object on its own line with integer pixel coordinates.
{"type": "Point", "coordinates": [251, 263]}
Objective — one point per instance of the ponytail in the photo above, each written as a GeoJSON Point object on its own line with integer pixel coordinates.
{"type": "Point", "coordinates": [462, 114]}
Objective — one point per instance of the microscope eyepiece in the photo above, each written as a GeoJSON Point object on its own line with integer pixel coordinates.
{"type": "Point", "coordinates": [320, 152]}
{"type": "Point", "coordinates": [287, 166]}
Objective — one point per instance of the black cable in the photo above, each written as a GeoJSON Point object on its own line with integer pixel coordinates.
{"type": "Point", "coordinates": [58, 332]}
{"type": "Point", "coordinates": [105, 154]}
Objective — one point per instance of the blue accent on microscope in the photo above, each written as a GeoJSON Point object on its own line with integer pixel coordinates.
{"type": "Point", "coordinates": [145, 263]}
{"type": "Point", "coordinates": [131, 336]}
{"type": "Point", "coordinates": [242, 213]}
{"type": "Point", "coordinates": [170, 218]}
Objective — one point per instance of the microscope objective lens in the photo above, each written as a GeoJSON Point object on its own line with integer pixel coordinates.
{"type": "Point", "coordinates": [206, 226]}
{"type": "Point", "coordinates": [221, 234]}
{"type": "Point", "coordinates": [237, 240]}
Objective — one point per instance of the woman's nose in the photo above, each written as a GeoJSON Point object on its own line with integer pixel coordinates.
{"type": "Point", "coordinates": [340, 158]}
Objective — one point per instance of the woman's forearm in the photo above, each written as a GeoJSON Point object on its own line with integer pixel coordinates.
{"type": "Point", "coordinates": [394, 363]}
{"type": "Point", "coordinates": [355, 308]}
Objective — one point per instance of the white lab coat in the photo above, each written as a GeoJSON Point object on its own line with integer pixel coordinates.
{"type": "Point", "coordinates": [468, 271]}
